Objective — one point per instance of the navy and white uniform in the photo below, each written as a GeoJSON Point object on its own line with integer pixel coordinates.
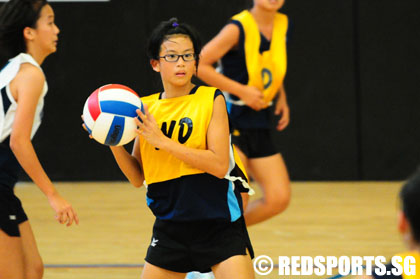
{"type": "Point", "coordinates": [9, 167]}
{"type": "Point", "coordinates": [11, 212]}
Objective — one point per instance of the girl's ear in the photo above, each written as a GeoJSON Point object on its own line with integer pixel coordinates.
{"type": "Point", "coordinates": [28, 33]}
{"type": "Point", "coordinates": [402, 222]}
{"type": "Point", "coordinates": [155, 65]}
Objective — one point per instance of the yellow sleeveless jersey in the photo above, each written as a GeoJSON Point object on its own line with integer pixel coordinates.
{"type": "Point", "coordinates": [176, 189]}
{"type": "Point", "coordinates": [266, 71]}
{"type": "Point", "coordinates": [184, 119]}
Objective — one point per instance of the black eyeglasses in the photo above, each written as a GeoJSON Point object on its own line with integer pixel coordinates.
{"type": "Point", "coordinates": [187, 57]}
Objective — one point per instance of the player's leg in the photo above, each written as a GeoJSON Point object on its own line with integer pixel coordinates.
{"type": "Point", "coordinates": [11, 250]}
{"type": "Point", "coordinates": [11, 257]}
{"type": "Point", "coordinates": [238, 267]}
{"type": "Point", "coordinates": [154, 272]}
{"type": "Point", "coordinates": [34, 268]}
{"type": "Point", "coordinates": [271, 174]}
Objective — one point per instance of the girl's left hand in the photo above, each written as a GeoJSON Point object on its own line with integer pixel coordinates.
{"type": "Point", "coordinates": [149, 129]}
{"type": "Point", "coordinates": [84, 127]}
{"type": "Point", "coordinates": [282, 109]}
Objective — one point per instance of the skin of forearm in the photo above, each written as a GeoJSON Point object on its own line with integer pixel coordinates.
{"type": "Point", "coordinates": [129, 166]}
{"type": "Point", "coordinates": [205, 160]}
{"type": "Point", "coordinates": [209, 75]}
{"type": "Point", "coordinates": [27, 158]}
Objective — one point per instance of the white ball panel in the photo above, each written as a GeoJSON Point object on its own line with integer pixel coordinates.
{"type": "Point", "coordinates": [121, 95]}
{"type": "Point", "coordinates": [102, 125]}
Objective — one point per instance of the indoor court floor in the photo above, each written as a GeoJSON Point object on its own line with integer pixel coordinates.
{"type": "Point", "coordinates": [324, 218]}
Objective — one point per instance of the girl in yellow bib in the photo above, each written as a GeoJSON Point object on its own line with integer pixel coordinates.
{"type": "Point", "coordinates": [193, 176]}
{"type": "Point", "coordinates": [252, 52]}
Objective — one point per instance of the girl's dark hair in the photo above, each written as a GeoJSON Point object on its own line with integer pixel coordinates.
{"type": "Point", "coordinates": [168, 28]}
{"type": "Point", "coordinates": [15, 15]}
{"type": "Point", "coordinates": [410, 201]}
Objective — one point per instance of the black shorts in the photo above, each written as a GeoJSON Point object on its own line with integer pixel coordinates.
{"type": "Point", "coordinates": [254, 143]}
{"type": "Point", "coordinates": [11, 213]}
{"type": "Point", "coordinates": [197, 245]}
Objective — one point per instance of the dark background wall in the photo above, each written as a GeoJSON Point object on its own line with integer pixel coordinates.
{"type": "Point", "coordinates": [352, 82]}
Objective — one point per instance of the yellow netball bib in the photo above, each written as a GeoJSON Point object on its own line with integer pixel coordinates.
{"type": "Point", "coordinates": [184, 119]}
{"type": "Point", "coordinates": [266, 71]}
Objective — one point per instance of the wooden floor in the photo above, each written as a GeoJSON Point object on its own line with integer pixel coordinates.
{"type": "Point", "coordinates": [328, 219]}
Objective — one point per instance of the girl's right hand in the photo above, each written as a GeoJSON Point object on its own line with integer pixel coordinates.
{"type": "Point", "coordinates": [63, 209]}
{"type": "Point", "coordinates": [149, 129]}
{"type": "Point", "coordinates": [253, 98]}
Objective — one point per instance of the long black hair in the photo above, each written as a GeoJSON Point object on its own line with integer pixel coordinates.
{"type": "Point", "coordinates": [410, 200]}
{"type": "Point", "coordinates": [15, 15]}
{"type": "Point", "coordinates": [172, 27]}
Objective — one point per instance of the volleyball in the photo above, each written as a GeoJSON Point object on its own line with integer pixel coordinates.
{"type": "Point", "coordinates": [109, 114]}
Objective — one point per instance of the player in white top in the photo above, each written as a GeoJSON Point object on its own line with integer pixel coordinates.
{"type": "Point", "coordinates": [28, 35]}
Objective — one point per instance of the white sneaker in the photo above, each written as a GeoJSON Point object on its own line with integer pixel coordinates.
{"type": "Point", "coordinates": [198, 275]}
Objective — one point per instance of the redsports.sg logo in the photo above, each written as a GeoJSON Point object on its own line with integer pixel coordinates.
{"type": "Point", "coordinates": [344, 265]}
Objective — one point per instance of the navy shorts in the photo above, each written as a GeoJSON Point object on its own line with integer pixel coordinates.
{"type": "Point", "coordinates": [197, 245]}
{"type": "Point", "coordinates": [11, 213]}
{"type": "Point", "coordinates": [254, 143]}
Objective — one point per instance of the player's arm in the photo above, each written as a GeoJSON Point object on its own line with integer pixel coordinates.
{"type": "Point", "coordinates": [282, 109]}
{"type": "Point", "coordinates": [212, 52]}
{"type": "Point", "coordinates": [130, 164]}
{"type": "Point", "coordinates": [214, 160]}
{"type": "Point", "coordinates": [27, 88]}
